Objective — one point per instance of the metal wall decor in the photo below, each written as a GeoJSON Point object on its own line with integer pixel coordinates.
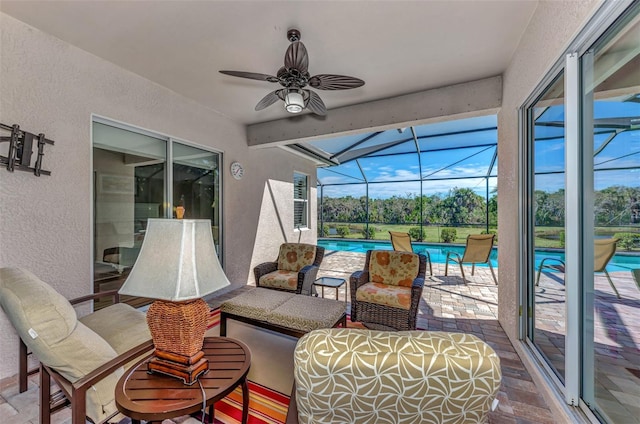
{"type": "Point", "coordinates": [21, 144]}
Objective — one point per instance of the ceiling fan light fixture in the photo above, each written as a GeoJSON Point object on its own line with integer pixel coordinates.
{"type": "Point", "coordinates": [293, 101]}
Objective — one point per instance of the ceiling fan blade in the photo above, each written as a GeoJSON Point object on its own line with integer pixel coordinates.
{"type": "Point", "coordinates": [251, 75]}
{"type": "Point", "coordinates": [296, 57]}
{"type": "Point", "coordinates": [268, 100]}
{"type": "Point", "coordinates": [315, 104]}
{"type": "Point", "coordinates": [334, 82]}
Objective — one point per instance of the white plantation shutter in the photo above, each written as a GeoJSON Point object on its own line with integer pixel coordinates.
{"type": "Point", "coordinates": [300, 200]}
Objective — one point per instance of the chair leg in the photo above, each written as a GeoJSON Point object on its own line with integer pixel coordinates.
{"type": "Point", "coordinates": [611, 283]}
{"type": "Point", "coordinates": [473, 268]}
{"type": "Point", "coordinates": [446, 266]}
{"type": "Point", "coordinates": [462, 272]}
{"type": "Point", "coordinates": [45, 396]}
{"type": "Point", "coordinates": [495, 280]}
{"type": "Point", "coordinates": [429, 260]}
{"type": "Point", "coordinates": [538, 275]}
{"type": "Point", "coordinates": [23, 372]}
{"type": "Point", "coordinates": [78, 407]}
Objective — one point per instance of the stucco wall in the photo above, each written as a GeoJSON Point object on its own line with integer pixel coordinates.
{"type": "Point", "coordinates": [49, 86]}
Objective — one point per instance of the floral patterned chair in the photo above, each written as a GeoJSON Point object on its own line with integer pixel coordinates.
{"type": "Point", "coordinates": [293, 271]}
{"type": "Point", "coordinates": [386, 294]}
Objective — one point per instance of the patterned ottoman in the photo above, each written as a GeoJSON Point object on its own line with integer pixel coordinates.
{"type": "Point", "coordinates": [364, 376]}
{"type": "Point", "coordinates": [287, 313]}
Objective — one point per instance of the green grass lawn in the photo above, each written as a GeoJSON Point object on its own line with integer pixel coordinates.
{"type": "Point", "coordinates": [545, 236]}
{"type": "Point", "coordinates": [432, 233]}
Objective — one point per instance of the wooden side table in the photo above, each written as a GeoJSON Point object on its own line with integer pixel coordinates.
{"type": "Point", "coordinates": [336, 283]}
{"type": "Point", "coordinates": [155, 397]}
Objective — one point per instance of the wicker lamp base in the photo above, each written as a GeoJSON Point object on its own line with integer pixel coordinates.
{"type": "Point", "coordinates": [177, 330]}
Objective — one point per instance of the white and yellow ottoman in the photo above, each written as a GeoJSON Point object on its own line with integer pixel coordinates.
{"type": "Point", "coordinates": [364, 376]}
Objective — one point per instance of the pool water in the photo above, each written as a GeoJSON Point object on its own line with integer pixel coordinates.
{"type": "Point", "coordinates": [438, 252]}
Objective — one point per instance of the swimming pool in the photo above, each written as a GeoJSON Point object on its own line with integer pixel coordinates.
{"type": "Point", "coordinates": [438, 252]}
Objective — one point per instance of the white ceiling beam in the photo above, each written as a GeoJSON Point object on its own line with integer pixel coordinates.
{"type": "Point", "coordinates": [468, 99]}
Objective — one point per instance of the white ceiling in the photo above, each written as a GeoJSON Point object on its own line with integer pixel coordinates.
{"type": "Point", "coordinates": [396, 47]}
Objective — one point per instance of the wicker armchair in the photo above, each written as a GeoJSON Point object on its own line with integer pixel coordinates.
{"type": "Point", "coordinates": [387, 292]}
{"type": "Point", "coordinates": [294, 271]}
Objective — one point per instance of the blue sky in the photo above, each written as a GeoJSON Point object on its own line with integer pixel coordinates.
{"type": "Point", "coordinates": [457, 154]}
{"type": "Point", "coordinates": [452, 154]}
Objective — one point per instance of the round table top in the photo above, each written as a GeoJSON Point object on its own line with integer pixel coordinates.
{"type": "Point", "coordinates": [154, 397]}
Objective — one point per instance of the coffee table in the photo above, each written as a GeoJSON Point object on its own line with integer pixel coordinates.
{"type": "Point", "coordinates": [155, 397]}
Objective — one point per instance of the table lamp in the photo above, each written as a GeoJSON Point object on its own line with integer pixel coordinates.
{"type": "Point", "coordinates": [177, 266]}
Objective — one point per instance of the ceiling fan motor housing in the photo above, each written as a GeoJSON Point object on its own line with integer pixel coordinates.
{"type": "Point", "coordinates": [293, 35]}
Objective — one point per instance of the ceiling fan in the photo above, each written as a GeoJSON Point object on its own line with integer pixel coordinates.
{"type": "Point", "coordinates": [294, 77]}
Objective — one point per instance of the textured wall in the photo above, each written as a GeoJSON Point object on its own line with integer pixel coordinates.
{"type": "Point", "coordinates": [45, 223]}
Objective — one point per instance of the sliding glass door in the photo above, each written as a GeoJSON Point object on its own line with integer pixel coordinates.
{"type": "Point", "coordinates": [132, 169]}
{"type": "Point", "coordinates": [547, 326]}
{"type": "Point", "coordinates": [196, 185]}
{"type": "Point", "coordinates": [582, 219]}
{"type": "Point", "coordinates": [610, 80]}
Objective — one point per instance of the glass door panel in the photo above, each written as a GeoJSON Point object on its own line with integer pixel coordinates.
{"type": "Point", "coordinates": [611, 120]}
{"type": "Point", "coordinates": [129, 187]}
{"type": "Point", "coordinates": [196, 186]}
{"type": "Point", "coordinates": [547, 316]}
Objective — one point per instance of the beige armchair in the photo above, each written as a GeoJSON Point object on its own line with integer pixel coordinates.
{"type": "Point", "coordinates": [294, 271]}
{"type": "Point", "coordinates": [603, 251]}
{"type": "Point", "coordinates": [387, 377]}
{"type": "Point", "coordinates": [84, 356]}
{"type": "Point", "coordinates": [477, 251]}
{"type": "Point", "coordinates": [402, 243]}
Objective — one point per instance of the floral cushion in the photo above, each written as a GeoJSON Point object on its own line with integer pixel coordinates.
{"type": "Point", "coordinates": [295, 256]}
{"type": "Point", "coordinates": [393, 268]}
{"type": "Point", "coordinates": [280, 279]}
{"type": "Point", "coordinates": [384, 294]}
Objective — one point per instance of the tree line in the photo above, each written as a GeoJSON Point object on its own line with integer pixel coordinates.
{"type": "Point", "coordinates": [459, 207]}
{"type": "Point", "coordinates": [615, 205]}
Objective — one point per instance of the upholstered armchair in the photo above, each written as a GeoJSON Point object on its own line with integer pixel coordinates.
{"type": "Point", "coordinates": [84, 356]}
{"type": "Point", "coordinates": [294, 271]}
{"type": "Point", "coordinates": [387, 292]}
{"type": "Point", "coordinates": [390, 377]}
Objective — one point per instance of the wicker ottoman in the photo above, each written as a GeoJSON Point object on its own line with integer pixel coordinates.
{"type": "Point", "coordinates": [286, 313]}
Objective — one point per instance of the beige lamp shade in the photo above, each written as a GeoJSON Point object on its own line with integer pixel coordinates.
{"type": "Point", "coordinates": [177, 262]}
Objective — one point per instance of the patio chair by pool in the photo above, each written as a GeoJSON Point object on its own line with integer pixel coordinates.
{"type": "Point", "coordinates": [402, 243]}
{"type": "Point", "coordinates": [388, 290]}
{"type": "Point", "coordinates": [477, 251]}
{"type": "Point", "coordinates": [603, 251]}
